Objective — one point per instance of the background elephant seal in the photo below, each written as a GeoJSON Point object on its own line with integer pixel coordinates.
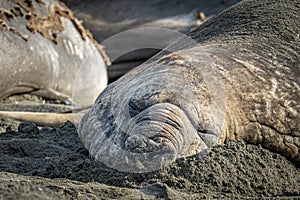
{"type": "Point", "coordinates": [240, 82]}
{"type": "Point", "coordinates": [43, 48]}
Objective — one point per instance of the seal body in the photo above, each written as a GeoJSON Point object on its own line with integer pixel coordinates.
{"type": "Point", "coordinates": [44, 48]}
{"type": "Point", "coordinates": [239, 81]}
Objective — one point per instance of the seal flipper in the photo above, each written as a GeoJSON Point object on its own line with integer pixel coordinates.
{"type": "Point", "coordinates": [41, 118]}
{"type": "Point", "coordinates": [16, 90]}
{"type": "Point", "coordinates": [49, 93]}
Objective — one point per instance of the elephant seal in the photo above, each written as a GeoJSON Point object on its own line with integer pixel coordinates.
{"type": "Point", "coordinates": [240, 81]}
{"type": "Point", "coordinates": [44, 48]}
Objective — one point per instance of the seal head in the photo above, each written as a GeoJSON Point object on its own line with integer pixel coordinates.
{"type": "Point", "coordinates": [144, 116]}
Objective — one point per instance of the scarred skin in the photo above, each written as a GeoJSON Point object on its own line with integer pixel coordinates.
{"type": "Point", "coordinates": [43, 46]}
{"type": "Point", "coordinates": [240, 81]}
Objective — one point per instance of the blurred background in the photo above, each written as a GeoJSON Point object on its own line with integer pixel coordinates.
{"type": "Point", "coordinates": [106, 18]}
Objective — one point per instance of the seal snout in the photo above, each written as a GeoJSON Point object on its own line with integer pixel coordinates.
{"type": "Point", "coordinates": [162, 129]}
{"type": "Point", "coordinates": [138, 143]}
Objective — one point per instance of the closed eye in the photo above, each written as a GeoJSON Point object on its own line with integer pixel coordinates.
{"type": "Point", "coordinates": [133, 108]}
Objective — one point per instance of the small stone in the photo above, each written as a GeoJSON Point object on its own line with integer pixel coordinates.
{"type": "Point", "coordinates": [28, 127]}
{"type": "Point", "coordinates": [202, 16]}
{"type": "Point", "coordinates": [9, 130]}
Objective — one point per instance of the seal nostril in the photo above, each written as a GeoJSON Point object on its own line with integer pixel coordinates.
{"type": "Point", "coordinates": [158, 139]}
{"type": "Point", "coordinates": [137, 143]}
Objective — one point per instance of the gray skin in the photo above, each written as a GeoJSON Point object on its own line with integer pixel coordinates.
{"type": "Point", "coordinates": [240, 81]}
{"type": "Point", "coordinates": [43, 54]}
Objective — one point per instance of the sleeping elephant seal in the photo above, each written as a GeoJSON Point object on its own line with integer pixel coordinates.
{"type": "Point", "coordinates": [44, 48]}
{"type": "Point", "coordinates": [240, 81]}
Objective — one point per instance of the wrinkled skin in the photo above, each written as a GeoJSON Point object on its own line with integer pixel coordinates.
{"type": "Point", "coordinates": [239, 81]}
